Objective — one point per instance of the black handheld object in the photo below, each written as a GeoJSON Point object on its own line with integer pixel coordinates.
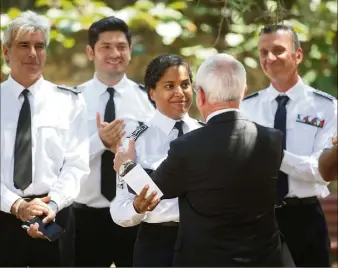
{"type": "Point", "coordinates": [52, 231]}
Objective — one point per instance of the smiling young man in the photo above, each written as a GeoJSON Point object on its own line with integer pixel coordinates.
{"type": "Point", "coordinates": [308, 118]}
{"type": "Point", "coordinates": [123, 105]}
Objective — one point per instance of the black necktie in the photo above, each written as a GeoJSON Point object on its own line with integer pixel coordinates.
{"type": "Point", "coordinates": [280, 123]}
{"type": "Point", "coordinates": [178, 125]}
{"type": "Point", "coordinates": [23, 146]}
{"type": "Point", "coordinates": [108, 174]}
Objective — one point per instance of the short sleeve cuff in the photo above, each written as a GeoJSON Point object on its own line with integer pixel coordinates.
{"type": "Point", "coordinates": [56, 198]}
{"type": "Point", "coordinates": [96, 143]}
{"type": "Point", "coordinates": [287, 161]}
{"type": "Point", "coordinates": [131, 217]}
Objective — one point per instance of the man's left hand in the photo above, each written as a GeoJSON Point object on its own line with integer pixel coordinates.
{"type": "Point", "coordinates": [34, 232]}
{"type": "Point", "coordinates": [123, 156]}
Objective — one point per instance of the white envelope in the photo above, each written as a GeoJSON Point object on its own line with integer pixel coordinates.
{"type": "Point", "coordinates": [137, 178]}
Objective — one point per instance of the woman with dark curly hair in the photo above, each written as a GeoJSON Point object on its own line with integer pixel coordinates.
{"type": "Point", "coordinates": [168, 81]}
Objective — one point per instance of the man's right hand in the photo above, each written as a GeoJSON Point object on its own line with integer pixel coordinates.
{"type": "Point", "coordinates": [143, 204]}
{"type": "Point", "coordinates": [111, 134]}
{"type": "Point", "coordinates": [29, 210]}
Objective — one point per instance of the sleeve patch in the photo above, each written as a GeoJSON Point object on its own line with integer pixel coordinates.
{"type": "Point", "coordinates": [75, 90]}
{"type": "Point", "coordinates": [138, 132]}
{"type": "Point", "coordinates": [324, 95]}
{"type": "Point", "coordinates": [251, 96]}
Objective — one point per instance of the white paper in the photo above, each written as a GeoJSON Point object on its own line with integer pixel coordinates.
{"type": "Point", "coordinates": [137, 178]}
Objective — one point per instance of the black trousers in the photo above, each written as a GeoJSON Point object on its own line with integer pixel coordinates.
{"type": "Point", "coordinates": [155, 245]}
{"type": "Point", "coordinates": [99, 241]}
{"type": "Point", "coordinates": [19, 249]}
{"type": "Point", "coordinates": [305, 232]}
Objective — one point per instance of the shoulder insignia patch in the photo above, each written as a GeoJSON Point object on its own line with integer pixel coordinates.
{"type": "Point", "coordinates": [142, 87]}
{"type": "Point", "coordinates": [75, 90]}
{"type": "Point", "coordinates": [255, 94]}
{"type": "Point", "coordinates": [138, 131]}
{"type": "Point", "coordinates": [323, 94]}
{"type": "Point", "coordinates": [201, 123]}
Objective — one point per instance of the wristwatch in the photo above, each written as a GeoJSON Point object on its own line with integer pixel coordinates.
{"type": "Point", "coordinates": [126, 167]}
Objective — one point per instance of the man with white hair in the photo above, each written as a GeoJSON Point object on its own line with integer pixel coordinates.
{"type": "Point", "coordinates": [224, 175]}
{"type": "Point", "coordinates": [44, 148]}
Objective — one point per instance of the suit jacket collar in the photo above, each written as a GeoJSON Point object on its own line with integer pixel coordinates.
{"type": "Point", "coordinates": [225, 117]}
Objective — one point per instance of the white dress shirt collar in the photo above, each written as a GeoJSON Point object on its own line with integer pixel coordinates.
{"type": "Point", "coordinates": [166, 124]}
{"type": "Point", "coordinates": [120, 87]}
{"type": "Point", "coordinates": [294, 93]}
{"type": "Point", "coordinates": [18, 88]}
{"type": "Point", "coordinates": [220, 112]}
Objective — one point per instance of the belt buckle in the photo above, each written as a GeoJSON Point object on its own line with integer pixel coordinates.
{"type": "Point", "coordinates": [281, 204]}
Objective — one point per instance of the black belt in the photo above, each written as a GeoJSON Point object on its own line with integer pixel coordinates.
{"type": "Point", "coordinates": [84, 206]}
{"type": "Point", "coordinates": [295, 201]}
{"type": "Point", "coordinates": [31, 197]}
{"type": "Point", "coordinates": [168, 223]}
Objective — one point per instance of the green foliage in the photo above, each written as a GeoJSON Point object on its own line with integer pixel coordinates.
{"type": "Point", "coordinates": [197, 29]}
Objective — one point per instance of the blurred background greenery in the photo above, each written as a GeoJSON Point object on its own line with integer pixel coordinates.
{"type": "Point", "coordinates": [194, 29]}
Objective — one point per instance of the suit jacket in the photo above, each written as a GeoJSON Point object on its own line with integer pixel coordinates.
{"type": "Point", "coordinates": [225, 175]}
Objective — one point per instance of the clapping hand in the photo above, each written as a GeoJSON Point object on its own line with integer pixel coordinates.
{"type": "Point", "coordinates": [123, 156]}
{"type": "Point", "coordinates": [111, 134]}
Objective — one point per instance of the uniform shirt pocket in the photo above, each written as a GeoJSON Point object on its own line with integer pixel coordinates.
{"type": "Point", "coordinates": [300, 137]}
{"type": "Point", "coordinates": [51, 140]}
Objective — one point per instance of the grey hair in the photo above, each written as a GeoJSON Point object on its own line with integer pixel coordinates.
{"type": "Point", "coordinates": [268, 29]}
{"type": "Point", "coordinates": [27, 22]}
{"type": "Point", "coordinates": [222, 78]}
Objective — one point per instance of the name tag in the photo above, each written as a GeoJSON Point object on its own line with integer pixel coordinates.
{"type": "Point", "coordinates": [310, 120]}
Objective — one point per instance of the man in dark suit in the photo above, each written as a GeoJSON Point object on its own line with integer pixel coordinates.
{"type": "Point", "coordinates": [224, 175]}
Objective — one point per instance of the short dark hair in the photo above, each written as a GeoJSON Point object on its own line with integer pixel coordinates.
{"type": "Point", "coordinates": [107, 24]}
{"type": "Point", "coordinates": [159, 65]}
{"type": "Point", "coordinates": [267, 29]}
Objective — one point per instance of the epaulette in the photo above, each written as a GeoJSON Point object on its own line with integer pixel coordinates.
{"type": "Point", "coordinates": [142, 87]}
{"type": "Point", "coordinates": [255, 94]}
{"type": "Point", "coordinates": [201, 123]}
{"type": "Point", "coordinates": [138, 131]}
{"type": "Point", "coordinates": [323, 94]}
{"type": "Point", "coordinates": [71, 89]}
